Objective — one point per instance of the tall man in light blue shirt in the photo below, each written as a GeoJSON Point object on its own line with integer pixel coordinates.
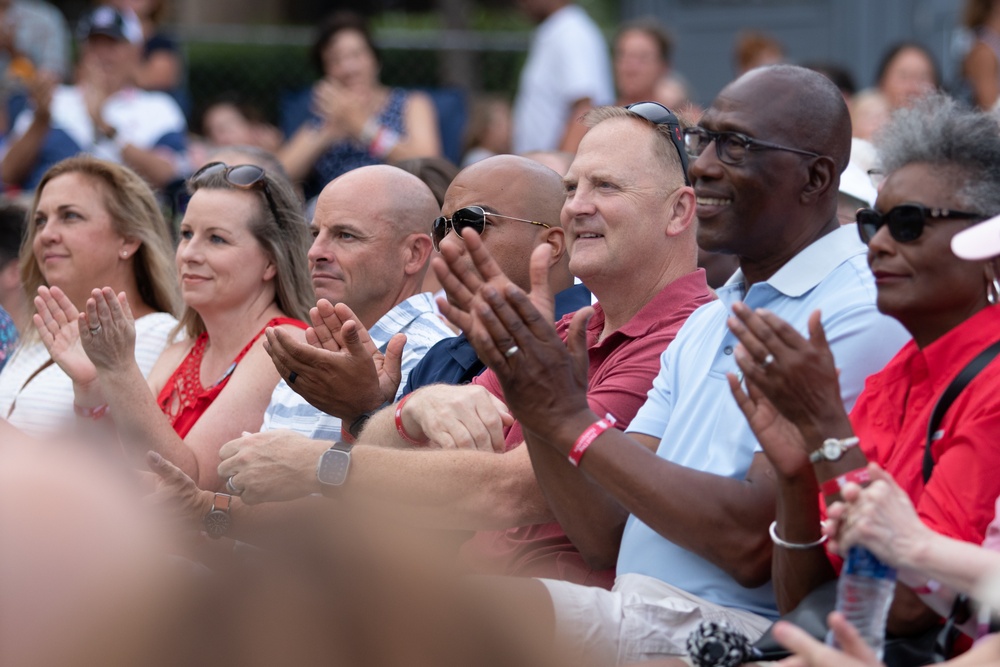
{"type": "Point", "coordinates": [684, 499]}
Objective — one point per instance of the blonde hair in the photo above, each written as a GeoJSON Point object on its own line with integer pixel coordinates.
{"type": "Point", "coordinates": [285, 241]}
{"type": "Point", "coordinates": [134, 215]}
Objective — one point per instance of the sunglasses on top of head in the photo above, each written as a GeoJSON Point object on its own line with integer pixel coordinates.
{"type": "Point", "coordinates": [906, 222]}
{"type": "Point", "coordinates": [658, 114]}
{"type": "Point", "coordinates": [243, 177]}
{"type": "Point", "coordinates": [470, 216]}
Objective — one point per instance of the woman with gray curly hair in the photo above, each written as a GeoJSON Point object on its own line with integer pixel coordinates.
{"type": "Point", "coordinates": [941, 162]}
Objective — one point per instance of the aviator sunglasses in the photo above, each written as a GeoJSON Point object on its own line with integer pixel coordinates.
{"type": "Point", "coordinates": [906, 222]}
{"type": "Point", "coordinates": [470, 216]}
{"type": "Point", "coordinates": [243, 177]}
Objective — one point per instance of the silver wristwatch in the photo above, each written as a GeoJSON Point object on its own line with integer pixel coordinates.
{"type": "Point", "coordinates": [833, 449]}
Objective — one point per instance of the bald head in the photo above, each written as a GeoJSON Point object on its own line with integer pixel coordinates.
{"type": "Point", "coordinates": [803, 104]}
{"type": "Point", "coordinates": [388, 194]}
{"type": "Point", "coordinates": [372, 240]}
{"type": "Point", "coordinates": [511, 186]}
{"type": "Point", "coordinates": [538, 187]}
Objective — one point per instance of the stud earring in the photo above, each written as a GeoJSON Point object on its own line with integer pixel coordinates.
{"type": "Point", "coordinates": [124, 254]}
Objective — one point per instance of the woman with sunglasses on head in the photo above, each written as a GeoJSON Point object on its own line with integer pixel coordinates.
{"type": "Point", "coordinates": [91, 223]}
{"type": "Point", "coordinates": [242, 265]}
{"type": "Point", "coordinates": [941, 165]}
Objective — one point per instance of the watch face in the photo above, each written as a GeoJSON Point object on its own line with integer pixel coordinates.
{"type": "Point", "coordinates": [217, 523]}
{"type": "Point", "coordinates": [832, 450]}
{"type": "Point", "coordinates": [333, 467]}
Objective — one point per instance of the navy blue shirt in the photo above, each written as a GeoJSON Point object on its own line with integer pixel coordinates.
{"type": "Point", "coordinates": [454, 361]}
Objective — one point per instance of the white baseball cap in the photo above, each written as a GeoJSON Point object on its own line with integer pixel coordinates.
{"type": "Point", "coordinates": [980, 241]}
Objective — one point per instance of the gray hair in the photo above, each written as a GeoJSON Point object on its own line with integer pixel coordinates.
{"type": "Point", "coordinates": [939, 131]}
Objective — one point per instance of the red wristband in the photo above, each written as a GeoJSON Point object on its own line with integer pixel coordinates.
{"type": "Point", "coordinates": [832, 487]}
{"type": "Point", "coordinates": [399, 424]}
{"type": "Point", "coordinates": [588, 436]}
{"type": "Point", "coordinates": [90, 413]}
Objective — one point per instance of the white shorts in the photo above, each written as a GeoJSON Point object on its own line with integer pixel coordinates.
{"type": "Point", "coordinates": [641, 618]}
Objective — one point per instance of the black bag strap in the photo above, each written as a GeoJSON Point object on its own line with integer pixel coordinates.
{"type": "Point", "coordinates": [949, 396]}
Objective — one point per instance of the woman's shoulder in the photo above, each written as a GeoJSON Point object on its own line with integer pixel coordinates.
{"type": "Point", "coordinates": [152, 338]}
{"type": "Point", "coordinates": [155, 323]}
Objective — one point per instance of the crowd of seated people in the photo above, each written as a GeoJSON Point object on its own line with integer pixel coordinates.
{"type": "Point", "coordinates": [663, 381]}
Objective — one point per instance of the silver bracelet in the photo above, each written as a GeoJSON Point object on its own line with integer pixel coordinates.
{"type": "Point", "coordinates": [791, 545]}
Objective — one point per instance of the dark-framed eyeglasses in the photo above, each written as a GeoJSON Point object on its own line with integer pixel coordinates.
{"type": "Point", "coordinates": [731, 147]}
{"type": "Point", "coordinates": [906, 221]}
{"type": "Point", "coordinates": [470, 216]}
{"type": "Point", "coordinates": [243, 177]}
{"type": "Point", "coordinates": [658, 114]}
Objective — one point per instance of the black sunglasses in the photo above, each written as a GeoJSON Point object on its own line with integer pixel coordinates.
{"type": "Point", "coordinates": [730, 147]}
{"type": "Point", "coordinates": [242, 176]}
{"type": "Point", "coordinates": [658, 114]}
{"type": "Point", "coordinates": [470, 216]}
{"type": "Point", "coordinates": [906, 222]}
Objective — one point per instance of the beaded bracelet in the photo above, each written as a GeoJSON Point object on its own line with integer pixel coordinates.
{"type": "Point", "coordinates": [792, 545]}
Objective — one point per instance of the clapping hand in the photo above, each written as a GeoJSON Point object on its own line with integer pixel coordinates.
{"type": "Point", "coordinates": [56, 321]}
{"type": "Point", "coordinates": [338, 370]}
{"type": "Point", "coordinates": [107, 330]}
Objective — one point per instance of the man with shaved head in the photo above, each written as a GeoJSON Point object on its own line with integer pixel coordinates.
{"type": "Point", "coordinates": [683, 499]}
{"type": "Point", "coordinates": [504, 185]}
{"type": "Point", "coordinates": [370, 252]}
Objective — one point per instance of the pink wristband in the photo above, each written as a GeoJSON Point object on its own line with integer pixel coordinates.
{"type": "Point", "coordinates": [90, 413]}
{"type": "Point", "coordinates": [587, 438]}
{"type": "Point", "coordinates": [833, 486]}
{"type": "Point", "coordinates": [399, 424]}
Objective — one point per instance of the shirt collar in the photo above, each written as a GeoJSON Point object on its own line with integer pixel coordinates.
{"type": "Point", "coordinates": [813, 264]}
{"type": "Point", "coordinates": [400, 317]}
{"type": "Point", "coordinates": [675, 295]}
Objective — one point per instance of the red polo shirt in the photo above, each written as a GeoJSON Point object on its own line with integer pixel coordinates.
{"type": "Point", "coordinates": [621, 372]}
{"type": "Point", "coordinates": [892, 414]}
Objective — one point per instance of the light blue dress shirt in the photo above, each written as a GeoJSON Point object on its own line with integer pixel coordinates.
{"type": "Point", "coordinates": [691, 409]}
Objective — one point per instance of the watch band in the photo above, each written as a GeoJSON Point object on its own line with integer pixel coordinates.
{"type": "Point", "coordinates": [218, 520]}
{"type": "Point", "coordinates": [833, 449]}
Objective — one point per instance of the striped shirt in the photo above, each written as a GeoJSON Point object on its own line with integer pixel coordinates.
{"type": "Point", "coordinates": [37, 397]}
{"type": "Point", "coordinates": [414, 317]}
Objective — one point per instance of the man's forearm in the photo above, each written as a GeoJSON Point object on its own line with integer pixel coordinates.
{"type": "Point", "coordinates": [592, 519]}
{"type": "Point", "coordinates": [380, 430]}
{"type": "Point", "coordinates": [460, 489]}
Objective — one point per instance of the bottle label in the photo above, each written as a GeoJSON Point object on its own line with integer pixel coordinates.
{"type": "Point", "coordinates": [863, 563]}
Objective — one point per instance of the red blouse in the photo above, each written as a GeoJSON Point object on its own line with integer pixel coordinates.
{"type": "Point", "coordinates": [183, 399]}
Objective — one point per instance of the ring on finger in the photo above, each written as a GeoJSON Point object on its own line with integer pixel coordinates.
{"type": "Point", "coordinates": [511, 351]}
{"type": "Point", "coordinates": [232, 487]}
{"type": "Point", "coordinates": [768, 360]}
{"type": "Point", "coordinates": [292, 377]}
{"type": "Point", "coordinates": [95, 330]}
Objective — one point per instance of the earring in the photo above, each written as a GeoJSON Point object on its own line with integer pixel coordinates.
{"type": "Point", "coordinates": [124, 254]}
{"type": "Point", "coordinates": [993, 291]}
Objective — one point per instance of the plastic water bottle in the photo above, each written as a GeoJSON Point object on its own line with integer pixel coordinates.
{"type": "Point", "coordinates": [864, 595]}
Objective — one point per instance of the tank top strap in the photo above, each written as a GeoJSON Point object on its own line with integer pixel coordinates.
{"type": "Point", "coordinates": [274, 322]}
